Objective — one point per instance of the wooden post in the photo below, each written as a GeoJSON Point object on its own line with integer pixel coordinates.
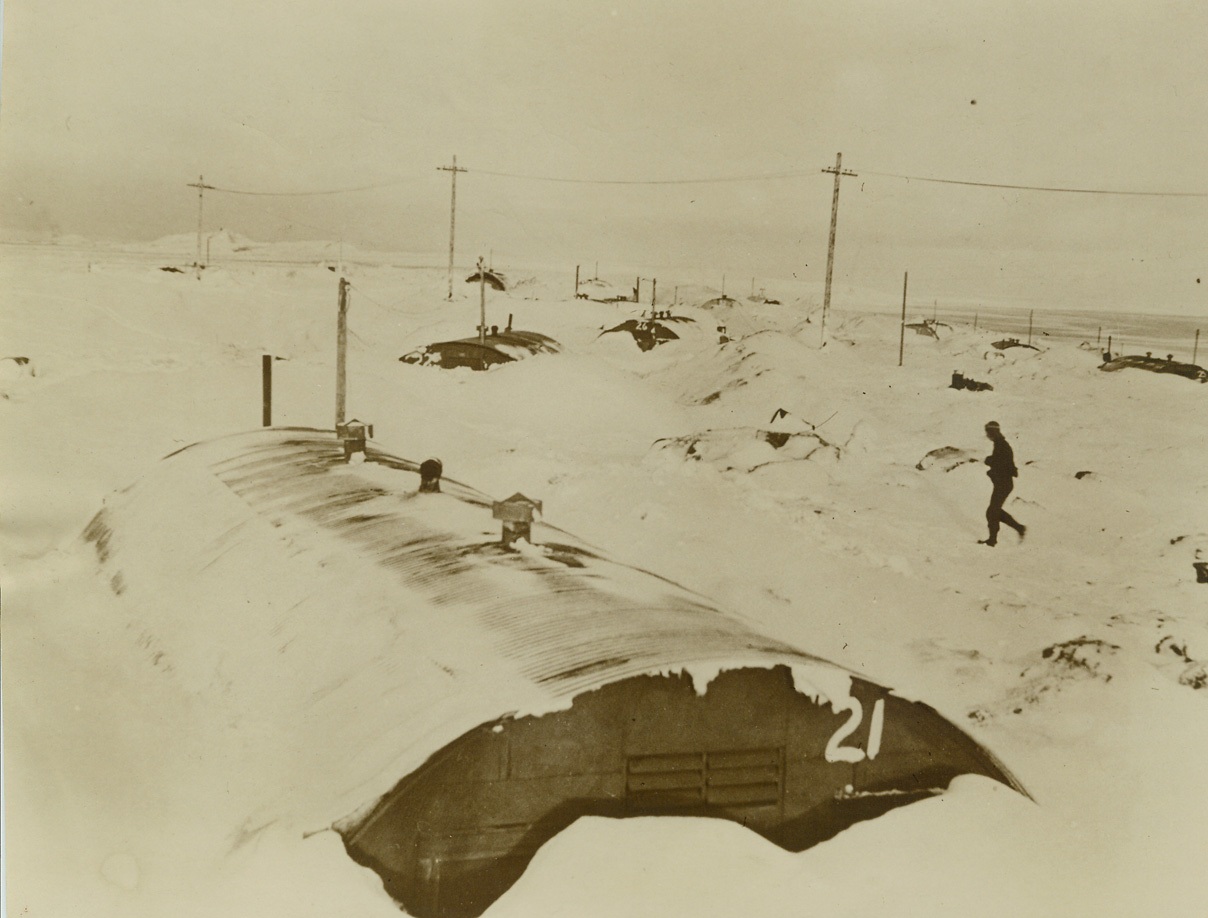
{"type": "Point", "coordinates": [1099, 336]}
{"type": "Point", "coordinates": [341, 352]}
{"type": "Point", "coordinates": [902, 329]}
{"type": "Point", "coordinates": [452, 217]}
{"type": "Point", "coordinates": [975, 321]}
{"type": "Point", "coordinates": [830, 247]}
{"type": "Point", "coordinates": [1109, 344]}
{"type": "Point", "coordinates": [576, 281]}
{"type": "Point", "coordinates": [266, 390]}
{"type": "Point", "coordinates": [654, 286]}
{"type": "Point", "coordinates": [482, 304]}
{"type": "Point", "coordinates": [637, 289]}
{"type": "Point", "coordinates": [201, 187]}
{"type": "Point", "coordinates": [1196, 348]}
{"type": "Point", "coordinates": [1030, 311]}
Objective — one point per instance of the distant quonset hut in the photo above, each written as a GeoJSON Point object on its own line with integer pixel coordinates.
{"type": "Point", "coordinates": [494, 348]}
{"type": "Point", "coordinates": [450, 701]}
{"type": "Point", "coordinates": [493, 279]}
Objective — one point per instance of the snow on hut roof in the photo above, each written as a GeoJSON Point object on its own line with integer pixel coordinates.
{"type": "Point", "coordinates": [381, 623]}
{"type": "Point", "coordinates": [494, 279]}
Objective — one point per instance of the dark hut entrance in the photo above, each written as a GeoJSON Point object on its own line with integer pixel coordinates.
{"type": "Point", "coordinates": [456, 834]}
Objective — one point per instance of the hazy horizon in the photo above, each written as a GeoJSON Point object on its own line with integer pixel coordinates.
{"type": "Point", "coordinates": [106, 120]}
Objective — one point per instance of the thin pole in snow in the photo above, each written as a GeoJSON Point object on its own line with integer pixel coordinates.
{"type": "Point", "coordinates": [830, 247]}
{"type": "Point", "coordinates": [975, 321]}
{"type": "Point", "coordinates": [201, 187]}
{"type": "Point", "coordinates": [482, 304]}
{"type": "Point", "coordinates": [341, 352]}
{"type": "Point", "coordinates": [1030, 311]}
{"type": "Point", "coordinates": [266, 390]}
{"type": "Point", "coordinates": [576, 281]}
{"type": "Point", "coordinates": [1196, 348]}
{"type": "Point", "coordinates": [454, 169]}
{"type": "Point", "coordinates": [654, 286]}
{"type": "Point", "coordinates": [902, 328]}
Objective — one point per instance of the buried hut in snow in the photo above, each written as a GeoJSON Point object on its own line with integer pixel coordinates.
{"type": "Point", "coordinates": [481, 353]}
{"type": "Point", "coordinates": [448, 700]}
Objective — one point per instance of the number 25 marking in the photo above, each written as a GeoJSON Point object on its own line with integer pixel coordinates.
{"type": "Point", "coordinates": [836, 751]}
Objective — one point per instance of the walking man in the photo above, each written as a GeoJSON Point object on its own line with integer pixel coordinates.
{"type": "Point", "coordinates": [1002, 474]}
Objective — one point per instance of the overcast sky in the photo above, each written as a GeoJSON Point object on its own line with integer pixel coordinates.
{"type": "Point", "coordinates": [107, 110]}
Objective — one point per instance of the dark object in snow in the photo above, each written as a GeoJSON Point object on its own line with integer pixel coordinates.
{"type": "Point", "coordinates": [1013, 342]}
{"type": "Point", "coordinates": [1201, 571]}
{"type": "Point", "coordinates": [1082, 474]}
{"type": "Point", "coordinates": [961, 381]}
{"type": "Point", "coordinates": [430, 471]}
{"type": "Point", "coordinates": [494, 279]}
{"type": "Point", "coordinates": [500, 347]}
{"type": "Point", "coordinates": [727, 448]}
{"type": "Point", "coordinates": [172, 270]}
{"type": "Point", "coordinates": [1156, 365]}
{"type": "Point", "coordinates": [444, 636]}
{"type": "Point", "coordinates": [928, 328]}
{"type": "Point", "coordinates": [946, 458]}
{"type": "Point", "coordinates": [648, 333]}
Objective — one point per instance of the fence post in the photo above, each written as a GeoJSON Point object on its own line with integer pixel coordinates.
{"type": "Point", "coordinates": [266, 390]}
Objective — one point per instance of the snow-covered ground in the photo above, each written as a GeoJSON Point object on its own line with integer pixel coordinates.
{"type": "Point", "coordinates": [785, 480]}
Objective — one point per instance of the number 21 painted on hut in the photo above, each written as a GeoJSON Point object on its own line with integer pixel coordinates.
{"type": "Point", "coordinates": [836, 752]}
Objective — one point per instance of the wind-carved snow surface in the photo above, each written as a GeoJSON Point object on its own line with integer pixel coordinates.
{"type": "Point", "coordinates": [152, 769]}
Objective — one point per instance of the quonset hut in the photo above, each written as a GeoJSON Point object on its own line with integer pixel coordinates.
{"type": "Point", "coordinates": [449, 703]}
{"type": "Point", "coordinates": [480, 354]}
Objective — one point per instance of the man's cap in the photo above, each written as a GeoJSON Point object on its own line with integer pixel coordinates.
{"type": "Point", "coordinates": [993, 424]}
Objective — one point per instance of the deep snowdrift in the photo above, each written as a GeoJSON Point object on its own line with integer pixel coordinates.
{"type": "Point", "coordinates": [1076, 655]}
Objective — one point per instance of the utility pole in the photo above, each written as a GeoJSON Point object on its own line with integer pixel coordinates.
{"type": "Point", "coordinates": [201, 187]}
{"type": "Point", "coordinates": [830, 249]}
{"type": "Point", "coordinates": [266, 390]}
{"type": "Point", "coordinates": [341, 352]}
{"type": "Point", "coordinates": [902, 328]}
{"type": "Point", "coordinates": [454, 169]}
{"type": "Point", "coordinates": [482, 304]}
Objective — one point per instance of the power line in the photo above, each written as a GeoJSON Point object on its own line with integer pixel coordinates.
{"type": "Point", "coordinates": [300, 194]}
{"type": "Point", "coordinates": [721, 179]}
{"type": "Point", "coordinates": [1058, 190]}
{"type": "Point", "coordinates": [758, 177]}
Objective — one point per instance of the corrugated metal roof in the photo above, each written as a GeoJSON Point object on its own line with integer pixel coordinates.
{"type": "Point", "coordinates": [564, 615]}
{"type": "Point", "coordinates": [375, 624]}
